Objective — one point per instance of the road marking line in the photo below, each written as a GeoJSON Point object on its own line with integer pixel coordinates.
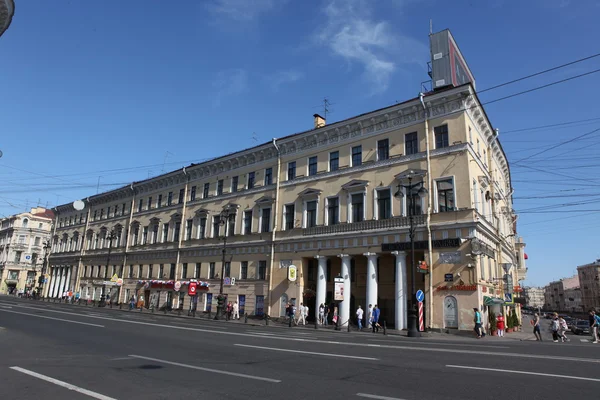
{"type": "Point", "coordinates": [581, 378]}
{"type": "Point", "coordinates": [306, 352]}
{"type": "Point", "coordinates": [444, 344]}
{"type": "Point", "coordinates": [3, 306]}
{"type": "Point", "coordinates": [63, 384]}
{"type": "Point", "coordinates": [56, 319]}
{"type": "Point", "coordinates": [585, 340]}
{"type": "Point", "coordinates": [374, 396]}
{"type": "Point", "coordinates": [216, 371]}
{"type": "Point", "coordinates": [121, 358]}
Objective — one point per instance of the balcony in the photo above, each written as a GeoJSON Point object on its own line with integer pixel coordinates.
{"type": "Point", "coordinates": [390, 223]}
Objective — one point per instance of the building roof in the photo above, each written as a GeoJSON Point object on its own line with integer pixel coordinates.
{"type": "Point", "coordinates": [7, 10]}
{"type": "Point", "coordinates": [45, 214]}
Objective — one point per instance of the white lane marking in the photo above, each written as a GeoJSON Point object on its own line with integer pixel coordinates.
{"type": "Point", "coordinates": [445, 344]}
{"type": "Point", "coordinates": [306, 352]}
{"type": "Point", "coordinates": [319, 341]}
{"type": "Point", "coordinates": [581, 378]}
{"type": "Point", "coordinates": [56, 319]}
{"type": "Point", "coordinates": [216, 371]}
{"type": "Point", "coordinates": [3, 306]}
{"type": "Point", "coordinates": [374, 396]}
{"type": "Point", "coordinates": [584, 340]}
{"type": "Point", "coordinates": [63, 384]}
{"type": "Point", "coordinates": [121, 358]}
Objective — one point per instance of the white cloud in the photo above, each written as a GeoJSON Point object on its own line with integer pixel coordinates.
{"type": "Point", "coordinates": [353, 33]}
{"type": "Point", "coordinates": [230, 82]}
{"type": "Point", "coordinates": [242, 10]}
{"type": "Point", "coordinates": [283, 77]}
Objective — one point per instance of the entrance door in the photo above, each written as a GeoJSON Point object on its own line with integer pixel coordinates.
{"type": "Point", "coordinates": [282, 303]}
{"type": "Point", "coordinates": [242, 303]}
{"type": "Point", "coordinates": [450, 312]}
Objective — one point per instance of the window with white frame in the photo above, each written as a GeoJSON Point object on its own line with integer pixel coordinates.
{"type": "Point", "coordinates": [414, 207]}
{"type": "Point", "coordinates": [475, 195]}
{"type": "Point", "coordinates": [145, 235]}
{"type": "Point", "coordinates": [334, 161]}
{"type": "Point", "coordinates": [333, 210]}
{"type": "Point", "coordinates": [155, 233]}
{"type": "Point", "coordinates": [383, 203]}
{"type": "Point", "coordinates": [189, 224]}
{"type": "Point", "coordinates": [202, 228]}
{"type": "Point", "coordinates": [310, 213]}
{"type": "Point", "coordinates": [265, 219]}
{"type": "Point", "coordinates": [165, 236]}
{"type": "Point", "coordinates": [247, 222]}
{"type": "Point", "coordinates": [357, 207]}
{"type": "Point", "coordinates": [312, 166]}
{"type": "Point", "coordinates": [383, 149]}
{"type": "Point", "coordinates": [411, 143]}
{"type": "Point", "coordinates": [216, 226]}
{"type": "Point", "coordinates": [291, 171]}
{"type": "Point", "coordinates": [289, 216]}
{"type": "Point", "coordinates": [356, 156]}
{"type": "Point", "coordinates": [445, 200]}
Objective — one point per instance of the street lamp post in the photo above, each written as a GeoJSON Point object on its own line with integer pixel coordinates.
{"type": "Point", "coordinates": [110, 236]}
{"type": "Point", "coordinates": [44, 267]}
{"type": "Point", "coordinates": [410, 190]}
{"type": "Point", "coordinates": [223, 221]}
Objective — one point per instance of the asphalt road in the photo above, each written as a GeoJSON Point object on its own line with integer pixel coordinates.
{"type": "Point", "coordinates": [57, 351]}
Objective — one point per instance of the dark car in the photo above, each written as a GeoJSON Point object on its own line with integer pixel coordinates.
{"type": "Point", "coordinates": [581, 327]}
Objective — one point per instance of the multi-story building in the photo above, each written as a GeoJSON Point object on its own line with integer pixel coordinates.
{"type": "Point", "coordinates": [7, 10]}
{"type": "Point", "coordinates": [573, 300]}
{"type": "Point", "coordinates": [534, 296]}
{"type": "Point", "coordinates": [330, 201]}
{"type": "Point", "coordinates": [24, 239]}
{"type": "Point", "coordinates": [555, 294]}
{"type": "Point", "coordinates": [589, 279]}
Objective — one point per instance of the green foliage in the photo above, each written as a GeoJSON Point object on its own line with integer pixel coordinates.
{"type": "Point", "coordinates": [492, 321]}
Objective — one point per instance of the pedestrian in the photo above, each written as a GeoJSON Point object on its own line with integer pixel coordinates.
{"type": "Point", "coordinates": [359, 317]}
{"type": "Point", "coordinates": [306, 312]}
{"type": "Point", "coordinates": [301, 315]}
{"type": "Point", "coordinates": [477, 320]}
{"type": "Point", "coordinates": [500, 324]}
{"type": "Point", "coordinates": [536, 327]}
{"type": "Point", "coordinates": [326, 315]}
{"type": "Point", "coordinates": [229, 310]}
{"type": "Point", "coordinates": [593, 326]}
{"type": "Point", "coordinates": [321, 313]}
{"type": "Point", "coordinates": [555, 325]}
{"type": "Point", "coordinates": [562, 330]}
{"type": "Point", "coordinates": [131, 303]}
{"type": "Point", "coordinates": [369, 316]}
{"type": "Point", "coordinates": [375, 319]}
{"type": "Point", "coordinates": [236, 310]}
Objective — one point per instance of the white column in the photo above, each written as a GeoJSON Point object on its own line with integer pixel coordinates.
{"type": "Point", "coordinates": [68, 280]}
{"type": "Point", "coordinates": [344, 308]}
{"type": "Point", "coordinates": [54, 279]}
{"type": "Point", "coordinates": [61, 277]}
{"type": "Point", "coordinates": [63, 282]}
{"type": "Point", "coordinates": [401, 292]}
{"type": "Point", "coordinates": [321, 283]}
{"type": "Point", "coordinates": [372, 282]}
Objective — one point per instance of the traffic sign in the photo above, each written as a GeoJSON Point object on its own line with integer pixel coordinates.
{"type": "Point", "coordinates": [177, 286]}
{"type": "Point", "coordinates": [420, 295]}
{"type": "Point", "coordinates": [114, 278]}
{"type": "Point", "coordinates": [508, 297]}
{"type": "Point", "coordinates": [192, 288]}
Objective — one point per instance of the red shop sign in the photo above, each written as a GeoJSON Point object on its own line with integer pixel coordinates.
{"type": "Point", "coordinates": [460, 288]}
{"type": "Point", "coordinates": [192, 288]}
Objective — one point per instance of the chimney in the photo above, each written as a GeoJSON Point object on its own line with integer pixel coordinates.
{"type": "Point", "coordinates": [319, 121]}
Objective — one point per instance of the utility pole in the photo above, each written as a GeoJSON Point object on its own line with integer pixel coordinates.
{"type": "Point", "coordinates": [326, 105]}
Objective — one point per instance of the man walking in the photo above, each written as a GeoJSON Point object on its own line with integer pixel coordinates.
{"type": "Point", "coordinates": [236, 310]}
{"type": "Point", "coordinates": [359, 317]}
{"type": "Point", "coordinates": [536, 327]}
{"type": "Point", "coordinates": [477, 321]}
{"type": "Point", "coordinates": [369, 316]}
{"type": "Point", "coordinates": [375, 319]}
{"type": "Point", "coordinates": [593, 326]}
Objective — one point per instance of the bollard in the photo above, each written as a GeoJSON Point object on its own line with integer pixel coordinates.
{"type": "Point", "coordinates": [384, 328]}
{"type": "Point", "coordinates": [290, 325]}
{"type": "Point", "coordinates": [120, 306]}
{"type": "Point", "coordinates": [266, 320]}
{"type": "Point", "coordinates": [246, 318]}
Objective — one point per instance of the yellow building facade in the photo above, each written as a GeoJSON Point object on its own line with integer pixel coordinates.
{"type": "Point", "coordinates": [328, 201]}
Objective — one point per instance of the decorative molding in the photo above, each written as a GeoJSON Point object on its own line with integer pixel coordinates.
{"type": "Point", "coordinates": [355, 183]}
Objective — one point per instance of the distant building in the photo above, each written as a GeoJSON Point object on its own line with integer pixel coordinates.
{"type": "Point", "coordinates": [573, 301]}
{"type": "Point", "coordinates": [22, 238]}
{"type": "Point", "coordinates": [7, 10]}
{"type": "Point", "coordinates": [534, 296]}
{"type": "Point", "coordinates": [557, 294]}
{"type": "Point", "coordinates": [589, 279]}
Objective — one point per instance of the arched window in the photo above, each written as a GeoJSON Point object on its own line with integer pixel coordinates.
{"type": "Point", "coordinates": [25, 223]}
{"type": "Point", "coordinates": [450, 312]}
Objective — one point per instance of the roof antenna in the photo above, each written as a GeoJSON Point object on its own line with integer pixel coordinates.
{"type": "Point", "coordinates": [430, 27]}
{"type": "Point", "coordinates": [165, 161]}
{"type": "Point", "coordinates": [326, 105]}
{"type": "Point", "coordinates": [254, 137]}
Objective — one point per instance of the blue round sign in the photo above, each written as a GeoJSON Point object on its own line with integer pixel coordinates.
{"type": "Point", "coordinates": [420, 295]}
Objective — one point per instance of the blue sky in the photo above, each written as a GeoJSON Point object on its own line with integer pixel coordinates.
{"type": "Point", "coordinates": [116, 91]}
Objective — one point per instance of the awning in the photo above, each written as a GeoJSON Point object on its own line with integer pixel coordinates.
{"type": "Point", "coordinates": [526, 256]}
{"type": "Point", "coordinates": [488, 301]}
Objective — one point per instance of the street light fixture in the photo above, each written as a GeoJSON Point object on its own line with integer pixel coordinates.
{"type": "Point", "coordinates": [410, 191]}
{"type": "Point", "coordinates": [41, 280]}
{"type": "Point", "coordinates": [224, 218]}
{"type": "Point", "coordinates": [110, 237]}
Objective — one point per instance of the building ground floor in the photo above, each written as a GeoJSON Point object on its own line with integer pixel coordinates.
{"type": "Point", "coordinates": [18, 279]}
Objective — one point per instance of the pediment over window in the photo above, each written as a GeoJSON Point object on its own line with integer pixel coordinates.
{"type": "Point", "coordinates": [310, 192]}
{"type": "Point", "coordinates": [232, 207]}
{"type": "Point", "coordinates": [265, 200]}
{"type": "Point", "coordinates": [412, 173]}
{"type": "Point", "coordinates": [202, 212]}
{"type": "Point", "coordinates": [135, 222]}
{"type": "Point", "coordinates": [355, 184]}
{"type": "Point", "coordinates": [484, 181]}
{"type": "Point", "coordinates": [175, 216]}
{"type": "Point", "coordinates": [154, 221]}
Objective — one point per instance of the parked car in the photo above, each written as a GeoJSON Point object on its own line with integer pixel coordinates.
{"type": "Point", "coordinates": [581, 327]}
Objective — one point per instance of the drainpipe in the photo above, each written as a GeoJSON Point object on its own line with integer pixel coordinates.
{"type": "Point", "coordinates": [127, 236]}
{"type": "Point", "coordinates": [495, 219]}
{"type": "Point", "coordinates": [185, 191]}
{"type": "Point", "coordinates": [429, 210]}
{"type": "Point", "coordinates": [82, 251]}
{"type": "Point", "coordinates": [275, 226]}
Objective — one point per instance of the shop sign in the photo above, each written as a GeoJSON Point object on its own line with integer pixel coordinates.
{"type": "Point", "coordinates": [229, 281]}
{"type": "Point", "coordinates": [338, 289]}
{"type": "Point", "coordinates": [177, 286]}
{"type": "Point", "coordinates": [457, 288]}
{"type": "Point", "coordinates": [450, 257]}
{"type": "Point", "coordinates": [192, 289]}
{"type": "Point", "coordinates": [421, 245]}
{"type": "Point", "coordinates": [285, 263]}
{"type": "Point", "coordinates": [292, 273]}
{"type": "Point", "coordinates": [448, 277]}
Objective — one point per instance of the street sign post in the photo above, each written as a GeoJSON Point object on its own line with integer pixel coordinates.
{"type": "Point", "coordinates": [421, 322]}
{"type": "Point", "coordinates": [508, 298]}
{"type": "Point", "coordinates": [420, 296]}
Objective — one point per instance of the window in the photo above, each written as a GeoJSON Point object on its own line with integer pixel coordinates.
{"type": "Point", "coordinates": [211, 270]}
{"type": "Point", "coordinates": [85, 269]}
{"type": "Point", "coordinates": [177, 231]}
{"type": "Point", "coordinates": [155, 233]}
{"type": "Point", "coordinates": [216, 226]}
{"type": "Point", "coordinates": [312, 166]}
{"type": "Point", "coordinates": [247, 222]}
{"type": "Point", "coordinates": [206, 189]}
{"type": "Point", "coordinates": [356, 156]}
{"type": "Point", "coordinates": [172, 272]}
{"type": "Point", "coordinates": [383, 149]}
{"type": "Point", "coordinates": [265, 220]}
{"type": "Point", "coordinates": [140, 205]}
{"type": "Point", "coordinates": [159, 201]}
{"type": "Point", "coordinates": [334, 160]}
{"type": "Point", "coordinates": [357, 201]}
{"type": "Point", "coordinates": [96, 212]}
{"type": "Point", "coordinates": [193, 193]}
{"type": "Point", "coordinates": [333, 211]}
{"type": "Point", "coordinates": [188, 229]}
{"type": "Point", "coordinates": [145, 235]}
{"type": "Point", "coordinates": [202, 228]}
{"type": "Point", "coordinates": [101, 213]}
{"type": "Point", "coordinates": [411, 143]}
{"type": "Point", "coordinates": [291, 171]}
{"type": "Point", "coordinates": [445, 195]}
{"type": "Point", "coordinates": [130, 272]}
{"type": "Point", "coordinates": [470, 136]}
{"type": "Point", "coordinates": [25, 223]}
{"type": "Point", "coordinates": [262, 270]}
{"type": "Point", "coordinates": [251, 177]}
{"type": "Point", "coordinates": [37, 241]}
{"type": "Point", "coordinates": [311, 213]}
{"type": "Point", "coordinates": [414, 207]}
{"type": "Point", "coordinates": [165, 237]}
{"type": "Point", "coordinates": [268, 176]}
{"type": "Point", "coordinates": [312, 270]}
{"type": "Point", "coordinates": [170, 198]}
{"type": "Point", "coordinates": [149, 206]}
{"type": "Point", "coordinates": [289, 215]}
{"type": "Point", "coordinates": [384, 204]}
{"type": "Point", "coordinates": [441, 136]}
{"type": "Point", "coordinates": [219, 187]}
{"type": "Point", "coordinates": [18, 256]}
{"type": "Point", "coordinates": [197, 270]}
{"type": "Point", "coordinates": [234, 184]}
{"type": "Point", "coordinates": [136, 233]}
{"type": "Point", "coordinates": [181, 196]}
{"type": "Point", "coordinates": [184, 271]}
{"type": "Point", "coordinates": [244, 270]}
{"type": "Point", "coordinates": [227, 271]}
